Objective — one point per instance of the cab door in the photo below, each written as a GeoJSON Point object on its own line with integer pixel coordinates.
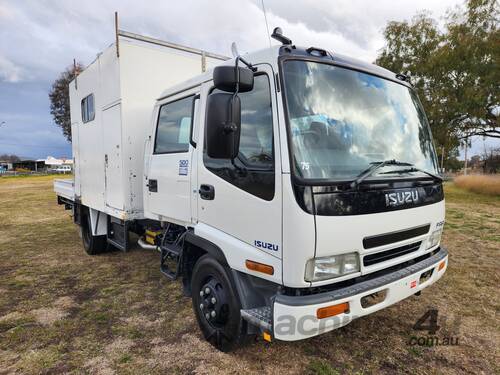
{"type": "Point", "coordinates": [168, 182]}
{"type": "Point", "coordinates": [241, 199]}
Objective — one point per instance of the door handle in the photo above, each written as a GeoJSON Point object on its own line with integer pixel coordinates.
{"type": "Point", "coordinates": [153, 186]}
{"type": "Point", "coordinates": [207, 192]}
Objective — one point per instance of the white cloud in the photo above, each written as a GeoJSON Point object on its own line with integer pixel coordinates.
{"type": "Point", "coordinates": [9, 71]}
{"type": "Point", "coordinates": [42, 37]}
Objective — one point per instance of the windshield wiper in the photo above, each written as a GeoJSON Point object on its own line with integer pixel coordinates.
{"type": "Point", "coordinates": [414, 169]}
{"type": "Point", "coordinates": [376, 166]}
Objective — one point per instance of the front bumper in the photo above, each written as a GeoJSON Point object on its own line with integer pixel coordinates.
{"type": "Point", "coordinates": [294, 317]}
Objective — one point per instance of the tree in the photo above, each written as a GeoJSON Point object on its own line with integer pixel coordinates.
{"type": "Point", "coordinates": [491, 160]}
{"type": "Point", "coordinates": [59, 99]}
{"type": "Point", "coordinates": [469, 69]}
{"type": "Point", "coordinates": [9, 158]}
{"type": "Point", "coordinates": [455, 71]}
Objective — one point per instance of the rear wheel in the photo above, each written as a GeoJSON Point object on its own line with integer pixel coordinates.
{"type": "Point", "coordinates": [216, 305]}
{"type": "Point", "coordinates": [92, 244]}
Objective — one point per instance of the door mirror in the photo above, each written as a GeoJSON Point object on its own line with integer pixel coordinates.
{"type": "Point", "coordinates": [225, 79]}
{"type": "Point", "coordinates": [223, 125]}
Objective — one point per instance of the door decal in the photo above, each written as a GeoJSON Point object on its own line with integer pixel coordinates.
{"type": "Point", "coordinates": [183, 167]}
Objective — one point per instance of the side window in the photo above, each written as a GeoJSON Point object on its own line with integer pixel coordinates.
{"type": "Point", "coordinates": [88, 110]}
{"type": "Point", "coordinates": [256, 141]}
{"type": "Point", "coordinates": [253, 169]}
{"type": "Point", "coordinates": [174, 126]}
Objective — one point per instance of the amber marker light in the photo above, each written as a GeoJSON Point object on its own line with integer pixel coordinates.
{"type": "Point", "coordinates": [326, 312]}
{"type": "Point", "coordinates": [259, 267]}
{"type": "Point", "coordinates": [267, 336]}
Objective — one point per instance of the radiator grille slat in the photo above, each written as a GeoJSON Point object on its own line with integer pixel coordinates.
{"type": "Point", "coordinates": [388, 238]}
{"type": "Point", "coordinates": [383, 256]}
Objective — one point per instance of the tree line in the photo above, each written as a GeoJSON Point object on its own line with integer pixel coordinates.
{"type": "Point", "coordinates": [455, 70]}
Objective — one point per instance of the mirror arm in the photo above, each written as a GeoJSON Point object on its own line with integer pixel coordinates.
{"type": "Point", "coordinates": [250, 66]}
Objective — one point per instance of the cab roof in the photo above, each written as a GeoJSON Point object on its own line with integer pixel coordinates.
{"type": "Point", "coordinates": [271, 54]}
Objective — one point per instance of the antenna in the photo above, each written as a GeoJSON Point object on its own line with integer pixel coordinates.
{"type": "Point", "coordinates": [75, 74]}
{"type": "Point", "coordinates": [265, 18]}
{"type": "Point", "coordinates": [116, 36]}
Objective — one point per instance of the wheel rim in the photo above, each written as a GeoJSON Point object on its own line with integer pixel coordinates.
{"type": "Point", "coordinates": [214, 307]}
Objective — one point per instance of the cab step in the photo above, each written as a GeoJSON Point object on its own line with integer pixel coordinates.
{"type": "Point", "coordinates": [172, 253]}
{"type": "Point", "coordinates": [261, 317]}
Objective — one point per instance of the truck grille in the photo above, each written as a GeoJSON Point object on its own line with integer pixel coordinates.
{"type": "Point", "coordinates": [388, 238]}
{"type": "Point", "coordinates": [383, 256]}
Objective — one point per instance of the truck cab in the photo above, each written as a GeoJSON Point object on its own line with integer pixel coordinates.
{"type": "Point", "coordinates": [286, 210]}
{"type": "Point", "coordinates": [292, 189]}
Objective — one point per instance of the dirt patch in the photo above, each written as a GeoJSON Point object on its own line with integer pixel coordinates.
{"type": "Point", "coordinates": [66, 302]}
{"type": "Point", "coordinates": [119, 347]}
{"type": "Point", "coordinates": [99, 366]}
{"type": "Point", "coordinates": [140, 321]}
{"type": "Point", "coordinates": [48, 316]}
{"type": "Point", "coordinates": [12, 316]}
{"type": "Point", "coordinates": [172, 358]}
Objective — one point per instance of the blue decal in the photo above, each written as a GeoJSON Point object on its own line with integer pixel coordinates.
{"type": "Point", "coordinates": [183, 167]}
{"type": "Point", "coordinates": [266, 245]}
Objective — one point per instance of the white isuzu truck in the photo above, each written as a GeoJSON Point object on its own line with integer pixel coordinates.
{"type": "Point", "coordinates": [292, 190]}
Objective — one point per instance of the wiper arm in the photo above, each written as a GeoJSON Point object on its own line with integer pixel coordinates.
{"type": "Point", "coordinates": [414, 169]}
{"type": "Point", "coordinates": [376, 166]}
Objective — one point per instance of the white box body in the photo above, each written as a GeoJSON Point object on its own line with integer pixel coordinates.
{"type": "Point", "coordinates": [109, 150]}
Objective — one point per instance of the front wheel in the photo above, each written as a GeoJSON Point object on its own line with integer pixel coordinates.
{"type": "Point", "coordinates": [92, 244]}
{"type": "Point", "coordinates": [216, 305]}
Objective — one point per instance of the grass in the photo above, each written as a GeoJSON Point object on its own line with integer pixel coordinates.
{"type": "Point", "coordinates": [62, 311]}
{"type": "Point", "coordinates": [483, 184]}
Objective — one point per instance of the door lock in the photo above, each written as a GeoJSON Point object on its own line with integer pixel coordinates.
{"type": "Point", "coordinates": [153, 186]}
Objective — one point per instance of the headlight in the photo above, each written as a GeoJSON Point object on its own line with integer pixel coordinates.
{"type": "Point", "coordinates": [435, 238]}
{"type": "Point", "coordinates": [324, 268]}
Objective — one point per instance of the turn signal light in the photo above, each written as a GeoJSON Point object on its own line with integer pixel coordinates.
{"type": "Point", "coordinates": [267, 336]}
{"type": "Point", "coordinates": [326, 312]}
{"type": "Point", "coordinates": [441, 265]}
{"type": "Point", "coordinates": [259, 267]}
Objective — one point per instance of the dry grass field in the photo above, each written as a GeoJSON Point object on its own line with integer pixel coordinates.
{"type": "Point", "coordinates": [62, 311]}
{"type": "Point", "coordinates": [486, 184]}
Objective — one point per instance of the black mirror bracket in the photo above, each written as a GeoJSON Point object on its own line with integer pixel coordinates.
{"type": "Point", "coordinates": [230, 128]}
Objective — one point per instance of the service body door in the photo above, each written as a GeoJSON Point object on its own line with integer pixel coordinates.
{"type": "Point", "coordinates": [111, 125]}
{"type": "Point", "coordinates": [168, 185]}
{"type": "Point", "coordinates": [241, 201]}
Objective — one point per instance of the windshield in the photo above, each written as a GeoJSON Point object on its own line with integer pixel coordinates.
{"type": "Point", "coordinates": [342, 120]}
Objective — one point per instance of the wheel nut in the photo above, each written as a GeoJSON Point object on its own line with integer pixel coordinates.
{"type": "Point", "coordinates": [213, 313]}
{"type": "Point", "coordinates": [202, 294]}
{"type": "Point", "coordinates": [213, 300]}
{"type": "Point", "coordinates": [207, 316]}
{"type": "Point", "coordinates": [207, 290]}
{"type": "Point", "coordinates": [202, 306]}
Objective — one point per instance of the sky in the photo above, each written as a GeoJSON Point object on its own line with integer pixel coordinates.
{"type": "Point", "coordinates": [40, 38]}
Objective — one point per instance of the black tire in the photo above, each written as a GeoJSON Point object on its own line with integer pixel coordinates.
{"type": "Point", "coordinates": [92, 244]}
{"type": "Point", "coordinates": [226, 331]}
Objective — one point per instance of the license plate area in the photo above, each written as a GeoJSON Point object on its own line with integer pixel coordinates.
{"type": "Point", "coordinates": [373, 299]}
{"type": "Point", "coordinates": [425, 276]}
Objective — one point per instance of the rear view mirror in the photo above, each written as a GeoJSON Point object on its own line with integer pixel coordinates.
{"type": "Point", "coordinates": [225, 79]}
{"type": "Point", "coordinates": [223, 125]}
